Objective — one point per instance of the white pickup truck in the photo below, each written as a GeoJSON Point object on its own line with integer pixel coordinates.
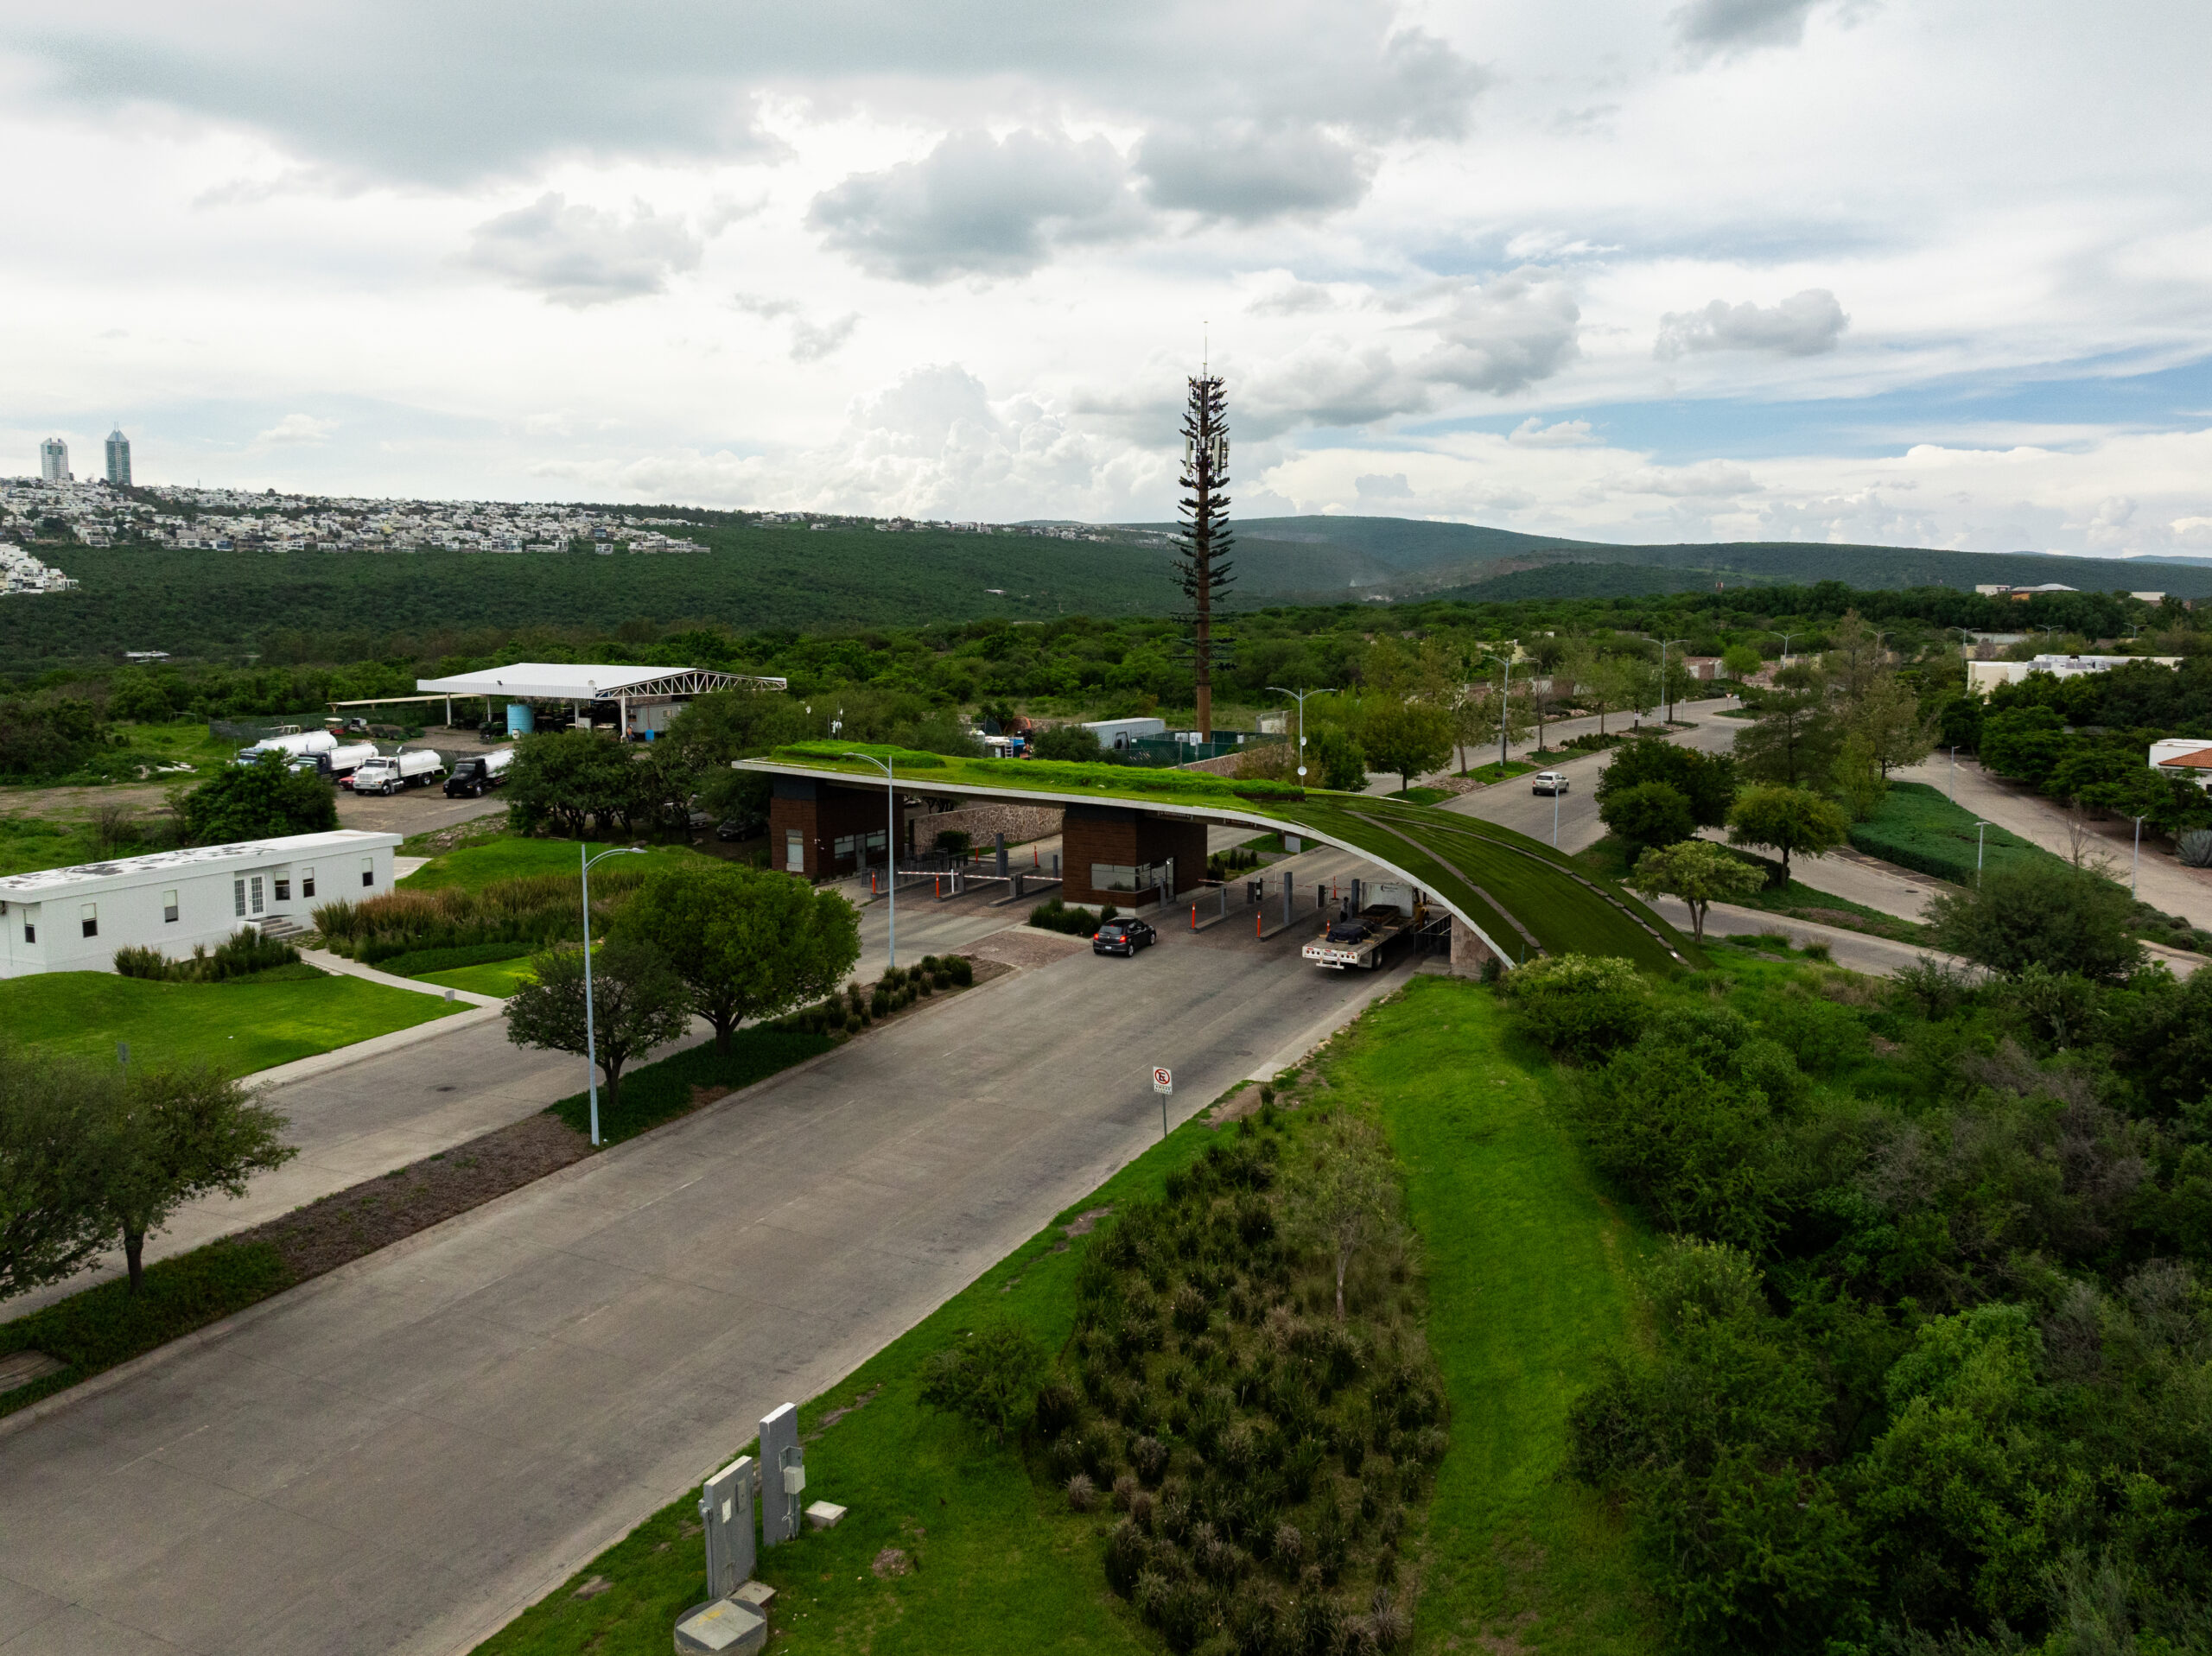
{"type": "Point", "coordinates": [389, 773]}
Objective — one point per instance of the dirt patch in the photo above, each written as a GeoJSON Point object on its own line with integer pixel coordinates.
{"type": "Point", "coordinates": [1022, 945]}
{"type": "Point", "coordinates": [357, 1220]}
{"type": "Point", "coordinates": [891, 1562]}
{"type": "Point", "coordinates": [835, 1415]}
{"type": "Point", "coordinates": [1085, 1222]}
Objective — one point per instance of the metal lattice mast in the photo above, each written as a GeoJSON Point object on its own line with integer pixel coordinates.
{"type": "Point", "coordinates": [1202, 565]}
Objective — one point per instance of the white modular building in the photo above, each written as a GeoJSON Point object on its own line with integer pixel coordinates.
{"type": "Point", "coordinates": [2187, 756]}
{"type": "Point", "coordinates": [74, 919]}
{"type": "Point", "coordinates": [1983, 677]}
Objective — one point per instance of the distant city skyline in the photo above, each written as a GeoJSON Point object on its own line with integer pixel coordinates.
{"type": "Point", "coordinates": [1641, 270]}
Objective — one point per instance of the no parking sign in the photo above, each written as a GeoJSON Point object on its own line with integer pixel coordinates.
{"type": "Point", "coordinates": [1163, 1080]}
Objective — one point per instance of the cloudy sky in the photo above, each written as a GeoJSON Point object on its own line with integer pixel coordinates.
{"type": "Point", "coordinates": [1885, 270]}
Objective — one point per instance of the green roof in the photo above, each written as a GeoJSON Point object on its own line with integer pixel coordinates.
{"type": "Point", "coordinates": [1523, 896]}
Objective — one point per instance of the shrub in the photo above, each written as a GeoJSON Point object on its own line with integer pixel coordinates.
{"type": "Point", "coordinates": [1083, 1494]}
{"type": "Point", "coordinates": [2041, 911]}
{"type": "Point", "coordinates": [2195, 849]}
{"type": "Point", "coordinates": [245, 951]}
{"type": "Point", "coordinates": [1578, 1005]}
{"type": "Point", "coordinates": [989, 1378]}
{"type": "Point", "coordinates": [532, 912]}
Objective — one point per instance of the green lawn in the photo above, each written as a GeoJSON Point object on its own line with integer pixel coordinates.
{"type": "Point", "coordinates": [29, 843]}
{"type": "Point", "coordinates": [1796, 901]}
{"type": "Point", "coordinates": [1530, 1287]}
{"type": "Point", "coordinates": [1421, 796]}
{"type": "Point", "coordinates": [1917, 826]}
{"type": "Point", "coordinates": [238, 1027]}
{"type": "Point", "coordinates": [1496, 772]}
{"type": "Point", "coordinates": [477, 866]}
{"type": "Point", "coordinates": [500, 978]}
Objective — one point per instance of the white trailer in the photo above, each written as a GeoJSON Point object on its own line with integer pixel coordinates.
{"type": "Point", "coordinates": [389, 773]}
{"type": "Point", "coordinates": [300, 744]}
{"type": "Point", "coordinates": [1385, 914]}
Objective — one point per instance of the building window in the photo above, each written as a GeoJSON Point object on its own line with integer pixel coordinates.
{"type": "Point", "coordinates": [368, 870]}
{"type": "Point", "coordinates": [307, 882]}
{"type": "Point", "coordinates": [31, 930]}
{"type": "Point", "coordinates": [238, 897]}
{"type": "Point", "coordinates": [169, 908]}
{"type": "Point", "coordinates": [284, 888]}
{"type": "Point", "coordinates": [1124, 876]}
{"type": "Point", "coordinates": [876, 841]}
{"type": "Point", "coordinates": [840, 849]}
{"type": "Point", "coordinates": [253, 893]}
{"type": "Point", "coordinates": [91, 919]}
{"type": "Point", "coordinates": [794, 851]}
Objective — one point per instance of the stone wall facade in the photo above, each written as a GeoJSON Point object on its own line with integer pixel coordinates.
{"type": "Point", "coordinates": [984, 819]}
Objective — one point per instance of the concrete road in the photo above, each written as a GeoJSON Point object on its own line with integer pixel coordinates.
{"type": "Point", "coordinates": [400, 1456]}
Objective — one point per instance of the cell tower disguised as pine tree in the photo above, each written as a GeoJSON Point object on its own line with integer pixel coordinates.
{"type": "Point", "coordinates": [1202, 561]}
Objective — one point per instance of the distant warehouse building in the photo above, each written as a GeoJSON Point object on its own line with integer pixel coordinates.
{"type": "Point", "coordinates": [74, 919]}
{"type": "Point", "coordinates": [1983, 677]}
{"type": "Point", "coordinates": [638, 701]}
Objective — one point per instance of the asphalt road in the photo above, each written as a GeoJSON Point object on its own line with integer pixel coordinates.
{"type": "Point", "coordinates": [400, 1456]}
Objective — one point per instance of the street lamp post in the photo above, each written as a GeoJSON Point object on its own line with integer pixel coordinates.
{"type": "Point", "coordinates": [591, 1023]}
{"type": "Point", "coordinates": [1785, 638]}
{"type": "Point", "coordinates": [1979, 827]}
{"type": "Point", "coordinates": [1665, 700]}
{"type": "Point", "coordinates": [1955, 773]}
{"type": "Point", "coordinates": [2136, 870]}
{"type": "Point", "coordinates": [890, 847]}
{"type": "Point", "coordinates": [1300, 696]}
{"type": "Point", "coordinates": [1504, 706]}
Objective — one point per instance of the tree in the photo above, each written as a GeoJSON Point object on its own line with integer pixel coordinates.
{"type": "Point", "coordinates": [1698, 871]}
{"type": "Point", "coordinates": [1854, 657]}
{"type": "Point", "coordinates": [2041, 911]}
{"type": "Point", "coordinates": [748, 943]}
{"type": "Point", "coordinates": [1857, 778]}
{"type": "Point", "coordinates": [1332, 752]}
{"type": "Point", "coordinates": [262, 801]}
{"type": "Point", "coordinates": [1888, 719]}
{"type": "Point", "coordinates": [179, 1135]}
{"type": "Point", "coordinates": [574, 781]}
{"type": "Point", "coordinates": [1349, 1199]}
{"type": "Point", "coordinates": [55, 1116]}
{"type": "Point", "coordinates": [638, 1003]}
{"type": "Point", "coordinates": [1707, 781]}
{"type": "Point", "coordinates": [1795, 738]}
{"type": "Point", "coordinates": [1407, 737]}
{"type": "Point", "coordinates": [1787, 820]}
{"type": "Point", "coordinates": [990, 1378]}
{"type": "Point", "coordinates": [1649, 814]}
{"type": "Point", "coordinates": [1739, 661]}
{"type": "Point", "coordinates": [1071, 742]}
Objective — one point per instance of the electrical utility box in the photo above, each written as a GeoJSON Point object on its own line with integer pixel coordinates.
{"type": "Point", "coordinates": [783, 1477]}
{"type": "Point", "coordinates": [726, 1512]}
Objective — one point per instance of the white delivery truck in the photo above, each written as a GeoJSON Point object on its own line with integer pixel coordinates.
{"type": "Point", "coordinates": [388, 773]}
{"type": "Point", "coordinates": [299, 744]}
{"type": "Point", "coordinates": [339, 763]}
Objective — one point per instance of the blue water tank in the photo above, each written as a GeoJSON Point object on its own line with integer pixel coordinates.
{"type": "Point", "coordinates": [519, 722]}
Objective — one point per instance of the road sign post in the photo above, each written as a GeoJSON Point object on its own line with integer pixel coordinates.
{"type": "Point", "coordinates": [1163, 1082]}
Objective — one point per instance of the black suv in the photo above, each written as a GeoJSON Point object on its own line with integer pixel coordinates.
{"type": "Point", "coordinates": [1123, 937]}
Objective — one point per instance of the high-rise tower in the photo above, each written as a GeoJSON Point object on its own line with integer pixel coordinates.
{"type": "Point", "coordinates": [119, 458]}
{"type": "Point", "coordinates": [53, 460]}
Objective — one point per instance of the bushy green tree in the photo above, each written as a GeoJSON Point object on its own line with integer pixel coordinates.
{"type": "Point", "coordinates": [1787, 820]}
{"type": "Point", "coordinates": [2041, 910]}
{"type": "Point", "coordinates": [1409, 738]}
{"type": "Point", "coordinates": [1793, 740]}
{"type": "Point", "coordinates": [748, 943]}
{"type": "Point", "coordinates": [1698, 871]}
{"type": "Point", "coordinates": [1071, 742]}
{"type": "Point", "coordinates": [1647, 814]}
{"type": "Point", "coordinates": [638, 1003]}
{"type": "Point", "coordinates": [1706, 781]}
{"type": "Point", "coordinates": [1334, 761]}
{"type": "Point", "coordinates": [55, 1118]}
{"type": "Point", "coordinates": [262, 801]}
{"type": "Point", "coordinates": [573, 781]}
{"type": "Point", "coordinates": [176, 1135]}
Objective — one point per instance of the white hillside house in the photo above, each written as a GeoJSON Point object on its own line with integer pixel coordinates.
{"type": "Point", "coordinates": [74, 919]}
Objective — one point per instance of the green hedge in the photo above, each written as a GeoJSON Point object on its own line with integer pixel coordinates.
{"type": "Point", "coordinates": [417, 963]}
{"type": "Point", "coordinates": [108, 1324]}
{"type": "Point", "coordinates": [1917, 827]}
{"type": "Point", "coordinates": [655, 1092]}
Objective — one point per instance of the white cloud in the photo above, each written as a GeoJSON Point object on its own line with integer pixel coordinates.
{"type": "Point", "coordinates": [1709, 28]}
{"type": "Point", "coordinates": [1506, 335]}
{"type": "Point", "coordinates": [1533, 432]}
{"type": "Point", "coordinates": [1374, 485]}
{"type": "Point", "coordinates": [976, 206]}
{"type": "Point", "coordinates": [1706, 479]}
{"type": "Point", "coordinates": [299, 428]}
{"type": "Point", "coordinates": [1250, 173]}
{"type": "Point", "coordinates": [1804, 325]}
{"type": "Point", "coordinates": [576, 255]}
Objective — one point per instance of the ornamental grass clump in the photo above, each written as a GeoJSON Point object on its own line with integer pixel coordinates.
{"type": "Point", "coordinates": [1266, 1463]}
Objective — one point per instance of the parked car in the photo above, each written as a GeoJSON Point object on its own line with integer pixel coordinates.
{"type": "Point", "coordinates": [1123, 937]}
{"type": "Point", "coordinates": [1548, 781]}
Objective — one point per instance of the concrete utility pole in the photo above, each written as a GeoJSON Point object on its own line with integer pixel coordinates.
{"type": "Point", "coordinates": [591, 1023]}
